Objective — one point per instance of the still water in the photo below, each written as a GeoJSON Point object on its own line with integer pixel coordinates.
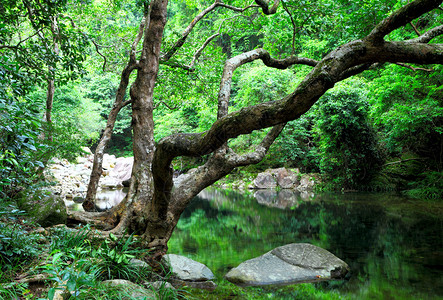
{"type": "Point", "coordinates": [394, 245]}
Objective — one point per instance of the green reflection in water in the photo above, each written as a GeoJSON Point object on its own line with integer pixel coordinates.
{"type": "Point", "coordinates": [392, 244]}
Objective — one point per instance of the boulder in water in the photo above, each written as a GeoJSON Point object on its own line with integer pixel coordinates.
{"type": "Point", "coordinates": [187, 269]}
{"type": "Point", "coordinates": [289, 264]}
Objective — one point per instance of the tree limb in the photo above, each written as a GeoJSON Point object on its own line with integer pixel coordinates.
{"type": "Point", "coordinates": [215, 168]}
{"type": "Point", "coordinates": [413, 68]}
{"type": "Point", "coordinates": [428, 35]}
{"type": "Point", "coordinates": [21, 41]}
{"type": "Point", "coordinates": [163, 102]}
{"type": "Point", "coordinates": [415, 29]}
{"type": "Point", "coordinates": [400, 18]}
{"type": "Point", "coordinates": [265, 6]}
{"type": "Point", "coordinates": [144, 23]}
{"type": "Point", "coordinates": [233, 63]}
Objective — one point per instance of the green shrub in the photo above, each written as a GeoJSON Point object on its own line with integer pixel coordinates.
{"type": "Point", "coordinates": [347, 143]}
{"type": "Point", "coordinates": [114, 260]}
{"type": "Point", "coordinates": [17, 246]}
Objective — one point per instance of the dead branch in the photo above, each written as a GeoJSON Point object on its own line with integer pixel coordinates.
{"type": "Point", "coordinates": [428, 35]}
{"type": "Point", "coordinates": [415, 29]}
{"type": "Point", "coordinates": [402, 161]}
{"type": "Point", "coordinates": [414, 68]}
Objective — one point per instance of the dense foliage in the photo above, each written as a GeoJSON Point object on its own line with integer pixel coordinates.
{"type": "Point", "coordinates": [389, 112]}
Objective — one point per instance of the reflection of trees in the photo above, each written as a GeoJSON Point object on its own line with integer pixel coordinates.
{"type": "Point", "coordinates": [385, 249]}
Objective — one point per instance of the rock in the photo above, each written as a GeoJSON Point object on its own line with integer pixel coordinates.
{"type": "Point", "coordinates": [187, 269]}
{"type": "Point", "coordinates": [307, 182]}
{"type": "Point", "coordinates": [159, 285]}
{"type": "Point", "coordinates": [265, 180]}
{"type": "Point", "coordinates": [123, 169]}
{"type": "Point", "coordinates": [204, 285]}
{"type": "Point", "coordinates": [289, 264]}
{"type": "Point", "coordinates": [286, 179]}
{"type": "Point", "coordinates": [108, 161]}
{"type": "Point", "coordinates": [110, 183]}
{"type": "Point", "coordinates": [130, 289]}
{"type": "Point", "coordinates": [139, 263]}
{"type": "Point", "coordinates": [43, 207]}
{"type": "Point", "coordinates": [87, 151]}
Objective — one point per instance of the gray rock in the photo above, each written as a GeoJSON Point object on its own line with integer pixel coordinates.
{"type": "Point", "coordinates": [158, 285]}
{"type": "Point", "coordinates": [139, 263]}
{"type": "Point", "coordinates": [129, 289]}
{"type": "Point", "coordinates": [187, 269]}
{"type": "Point", "coordinates": [307, 183]}
{"type": "Point", "coordinates": [203, 285]}
{"type": "Point", "coordinates": [265, 180]}
{"type": "Point", "coordinates": [286, 179]}
{"type": "Point", "coordinates": [108, 182]}
{"type": "Point", "coordinates": [289, 264]}
{"type": "Point", "coordinates": [123, 169]}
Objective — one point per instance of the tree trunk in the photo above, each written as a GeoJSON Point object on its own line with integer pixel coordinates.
{"type": "Point", "coordinates": [96, 172]}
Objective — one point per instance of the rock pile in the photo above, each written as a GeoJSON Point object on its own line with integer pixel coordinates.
{"type": "Point", "coordinates": [71, 179]}
{"type": "Point", "coordinates": [285, 179]}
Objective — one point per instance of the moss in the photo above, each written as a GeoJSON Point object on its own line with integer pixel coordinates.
{"type": "Point", "coordinates": [43, 207]}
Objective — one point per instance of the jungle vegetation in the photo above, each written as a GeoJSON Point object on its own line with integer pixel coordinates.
{"type": "Point", "coordinates": [349, 89]}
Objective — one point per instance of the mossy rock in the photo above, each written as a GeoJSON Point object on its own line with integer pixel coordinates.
{"type": "Point", "coordinates": [43, 207]}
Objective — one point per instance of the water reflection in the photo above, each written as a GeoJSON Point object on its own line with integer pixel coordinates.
{"type": "Point", "coordinates": [392, 244]}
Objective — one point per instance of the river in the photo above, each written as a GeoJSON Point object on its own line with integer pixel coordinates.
{"type": "Point", "coordinates": [393, 244]}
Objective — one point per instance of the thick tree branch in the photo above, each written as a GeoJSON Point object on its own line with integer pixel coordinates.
{"type": "Point", "coordinates": [265, 6]}
{"type": "Point", "coordinates": [215, 168]}
{"type": "Point", "coordinates": [326, 73]}
{"type": "Point", "coordinates": [400, 18]}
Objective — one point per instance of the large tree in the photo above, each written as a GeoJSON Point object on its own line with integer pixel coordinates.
{"type": "Point", "coordinates": [154, 204]}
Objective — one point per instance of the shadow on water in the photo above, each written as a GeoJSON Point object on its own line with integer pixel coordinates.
{"type": "Point", "coordinates": [392, 244]}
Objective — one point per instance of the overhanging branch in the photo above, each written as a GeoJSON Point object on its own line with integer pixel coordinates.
{"type": "Point", "coordinates": [400, 18]}
{"type": "Point", "coordinates": [265, 6]}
